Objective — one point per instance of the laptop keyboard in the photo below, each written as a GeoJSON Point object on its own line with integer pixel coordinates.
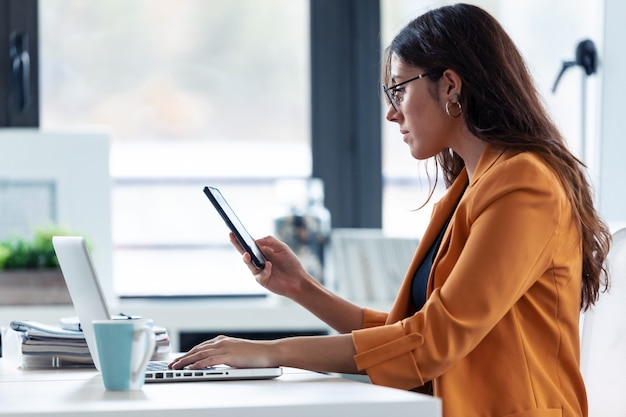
{"type": "Point", "coordinates": [155, 366]}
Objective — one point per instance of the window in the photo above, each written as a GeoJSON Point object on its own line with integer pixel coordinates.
{"type": "Point", "coordinates": [192, 92]}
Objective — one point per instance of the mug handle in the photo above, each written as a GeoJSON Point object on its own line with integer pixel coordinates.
{"type": "Point", "coordinates": [150, 345]}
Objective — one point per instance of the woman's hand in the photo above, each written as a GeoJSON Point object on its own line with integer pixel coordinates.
{"type": "Point", "coordinates": [283, 273]}
{"type": "Point", "coordinates": [230, 351]}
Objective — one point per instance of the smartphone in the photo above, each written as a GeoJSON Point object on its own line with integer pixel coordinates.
{"type": "Point", "coordinates": [234, 224]}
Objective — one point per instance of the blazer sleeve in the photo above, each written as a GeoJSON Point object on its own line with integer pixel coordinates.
{"type": "Point", "coordinates": [499, 243]}
{"type": "Point", "coordinates": [373, 318]}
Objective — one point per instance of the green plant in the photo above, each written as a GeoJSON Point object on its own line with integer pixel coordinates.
{"type": "Point", "coordinates": [17, 252]}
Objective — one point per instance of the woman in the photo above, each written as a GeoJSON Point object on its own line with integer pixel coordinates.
{"type": "Point", "coordinates": [489, 309]}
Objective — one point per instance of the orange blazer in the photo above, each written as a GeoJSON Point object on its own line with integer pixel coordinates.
{"type": "Point", "coordinates": [498, 335]}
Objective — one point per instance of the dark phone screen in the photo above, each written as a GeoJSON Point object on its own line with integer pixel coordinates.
{"type": "Point", "coordinates": [234, 224]}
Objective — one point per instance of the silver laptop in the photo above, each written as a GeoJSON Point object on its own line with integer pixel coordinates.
{"type": "Point", "coordinates": [90, 304]}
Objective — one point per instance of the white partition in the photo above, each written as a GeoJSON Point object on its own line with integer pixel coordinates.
{"type": "Point", "coordinates": [611, 194]}
{"type": "Point", "coordinates": [74, 167]}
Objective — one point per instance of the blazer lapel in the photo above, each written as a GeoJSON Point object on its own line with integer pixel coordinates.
{"type": "Point", "coordinates": [403, 307]}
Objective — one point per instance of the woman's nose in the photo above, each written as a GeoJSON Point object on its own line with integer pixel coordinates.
{"type": "Point", "coordinates": [392, 114]}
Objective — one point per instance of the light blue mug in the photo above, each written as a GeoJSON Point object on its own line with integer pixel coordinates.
{"type": "Point", "coordinates": [124, 349]}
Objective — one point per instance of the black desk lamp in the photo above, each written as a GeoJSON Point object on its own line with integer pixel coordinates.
{"type": "Point", "coordinates": [586, 57]}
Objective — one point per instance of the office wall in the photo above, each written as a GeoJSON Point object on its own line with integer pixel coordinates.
{"type": "Point", "coordinates": [77, 163]}
{"type": "Point", "coordinates": [611, 191]}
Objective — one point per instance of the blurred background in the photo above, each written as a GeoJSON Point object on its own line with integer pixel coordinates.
{"type": "Point", "coordinates": [206, 92]}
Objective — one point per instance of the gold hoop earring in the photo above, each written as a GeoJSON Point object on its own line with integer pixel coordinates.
{"type": "Point", "coordinates": [455, 101]}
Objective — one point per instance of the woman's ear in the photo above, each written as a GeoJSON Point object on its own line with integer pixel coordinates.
{"type": "Point", "coordinates": [452, 83]}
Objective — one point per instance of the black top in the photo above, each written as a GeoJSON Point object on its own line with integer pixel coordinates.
{"type": "Point", "coordinates": [420, 279]}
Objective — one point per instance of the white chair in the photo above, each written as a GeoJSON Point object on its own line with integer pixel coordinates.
{"type": "Point", "coordinates": [603, 343]}
{"type": "Point", "coordinates": [368, 266]}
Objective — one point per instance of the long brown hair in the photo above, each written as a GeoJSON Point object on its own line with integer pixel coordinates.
{"type": "Point", "coordinates": [502, 107]}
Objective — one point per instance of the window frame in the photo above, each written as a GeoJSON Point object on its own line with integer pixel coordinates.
{"type": "Point", "coordinates": [346, 125]}
{"type": "Point", "coordinates": [19, 16]}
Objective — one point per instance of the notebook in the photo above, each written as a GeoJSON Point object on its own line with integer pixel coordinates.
{"type": "Point", "coordinates": [90, 304]}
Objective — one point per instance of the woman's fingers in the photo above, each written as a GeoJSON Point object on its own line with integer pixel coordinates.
{"type": "Point", "coordinates": [223, 350]}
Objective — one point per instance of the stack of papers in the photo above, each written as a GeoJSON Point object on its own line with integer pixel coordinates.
{"type": "Point", "coordinates": [46, 346]}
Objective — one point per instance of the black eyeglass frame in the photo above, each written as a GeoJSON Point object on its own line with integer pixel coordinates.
{"type": "Point", "coordinates": [390, 91]}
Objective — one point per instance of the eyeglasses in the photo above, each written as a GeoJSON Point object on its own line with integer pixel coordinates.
{"type": "Point", "coordinates": [395, 93]}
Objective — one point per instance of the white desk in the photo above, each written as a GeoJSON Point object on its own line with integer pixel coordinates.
{"type": "Point", "coordinates": [296, 393]}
